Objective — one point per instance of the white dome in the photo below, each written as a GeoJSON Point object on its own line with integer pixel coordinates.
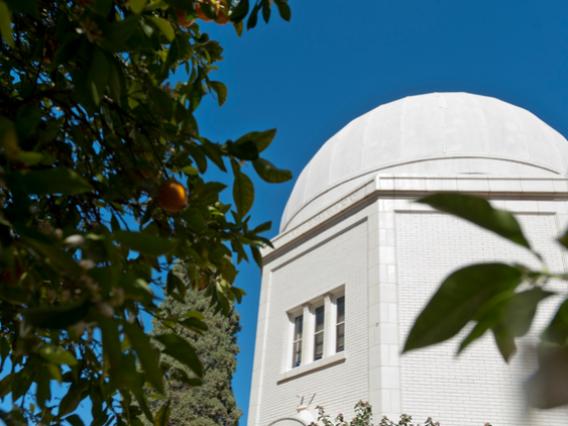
{"type": "Point", "coordinates": [437, 134]}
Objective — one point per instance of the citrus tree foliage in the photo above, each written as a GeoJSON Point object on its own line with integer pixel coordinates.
{"type": "Point", "coordinates": [498, 298]}
{"type": "Point", "coordinates": [364, 417]}
{"type": "Point", "coordinates": [102, 188]}
{"type": "Point", "coordinates": [212, 402]}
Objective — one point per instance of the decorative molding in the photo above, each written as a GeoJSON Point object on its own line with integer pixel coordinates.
{"type": "Point", "coordinates": [414, 187]}
{"type": "Point", "coordinates": [312, 367]}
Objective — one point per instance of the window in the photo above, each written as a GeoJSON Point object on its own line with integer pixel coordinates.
{"type": "Point", "coordinates": [340, 324]}
{"type": "Point", "coordinates": [297, 343]}
{"type": "Point", "coordinates": [319, 332]}
{"type": "Point", "coordinates": [316, 329]}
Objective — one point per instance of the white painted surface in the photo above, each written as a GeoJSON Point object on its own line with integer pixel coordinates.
{"type": "Point", "coordinates": [295, 278]}
{"type": "Point", "coordinates": [437, 134]}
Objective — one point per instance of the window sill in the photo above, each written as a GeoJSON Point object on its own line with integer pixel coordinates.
{"type": "Point", "coordinates": [312, 367]}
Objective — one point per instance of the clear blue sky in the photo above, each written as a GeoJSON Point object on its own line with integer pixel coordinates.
{"type": "Point", "coordinates": [338, 59]}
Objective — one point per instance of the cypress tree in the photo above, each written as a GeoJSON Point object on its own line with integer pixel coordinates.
{"type": "Point", "coordinates": [211, 403]}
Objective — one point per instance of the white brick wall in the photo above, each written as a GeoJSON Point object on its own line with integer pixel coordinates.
{"type": "Point", "coordinates": [301, 276]}
{"type": "Point", "coordinates": [391, 255]}
{"type": "Point", "coordinates": [478, 386]}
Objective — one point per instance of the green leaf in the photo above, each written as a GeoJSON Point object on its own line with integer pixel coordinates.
{"type": "Point", "coordinates": [253, 17]}
{"type": "Point", "coordinates": [6, 24]}
{"type": "Point", "coordinates": [521, 310]}
{"type": "Point", "coordinates": [243, 193]}
{"type": "Point", "coordinates": [213, 152]}
{"type": "Point", "coordinates": [137, 6]}
{"type": "Point", "coordinates": [240, 11]}
{"type": "Point", "coordinates": [504, 341]}
{"type": "Point", "coordinates": [557, 330]}
{"type": "Point", "coordinates": [164, 26]}
{"type": "Point", "coordinates": [50, 181]}
{"type": "Point", "coordinates": [102, 7]}
{"type": "Point", "coordinates": [284, 9]}
{"type": "Point", "coordinates": [460, 297]}
{"type": "Point", "coordinates": [262, 139]}
{"type": "Point", "coordinates": [266, 11]}
{"type": "Point", "coordinates": [6, 385]}
{"type": "Point", "coordinates": [256, 256]}
{"type": "Point", "coordinates": [99, 74]}
{"type": "Point", "coordinates": [116, 82]}
{"type": "Point", "coordinates": [74, 420]}
{"type": "Point", "coordinates": [243, 150]}
{"type": "Point", "coordinates": [43, 390]}
{"type": "Point", "coordinates": [57, 317]}
{"type": "Point", "coordinates": [221, 91]}
{"type": "Point", "coordinates": [480, 328]}
{"type": "Point", "coordinates": [57, 355]}
{"type": "Point", "coordinates": [263, 227]}
{"type": "Point", "coordinates": [5, 350]}
{"type": "Point", "coordinates": [480, 212]}
{"type": "Point", "coordinates": [140, 395]}
{"type": "Point", "coordinates": [13, 418]}
{"type": "Point", "coordinates": [30, 158]}
{"type": "Point", "coordinates": [563, 240]}
{"type": "Point", "coordinates": [269, 173]}
{"type": "Point", "coordinates": [148, 355]}
{"type": "Point", "coordinates": [513, 311]}
{"type": "Point", "coordinates": [145, 243]}
{"type": "Point", "coordinates": [72, 398]}
{"type": "Point", "coordinates": [517, 318]}
{"type": "Point", "coordinates": [9, 138]}
{"type": "Point", "coordinates": [29, 7]}
{"type": "Point", "coordinates": [178, 348]}
{"type": "Point", "coordinates": [55, 372]}
{"type": "Point", "coordinates": [111, 342]}
{"type": "Point", "coordinates": [193, 320]}
{"type": "Point", "coordinates": [55, 256]}
{"type": "Point", "coordinates": [163, 415]}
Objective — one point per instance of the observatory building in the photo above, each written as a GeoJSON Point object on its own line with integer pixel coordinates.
{"type": "Point", "coordinates": [357, 259]}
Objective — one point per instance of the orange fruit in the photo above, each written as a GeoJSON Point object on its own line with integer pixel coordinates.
{"type": "Point", "coordinates": [172, 196]}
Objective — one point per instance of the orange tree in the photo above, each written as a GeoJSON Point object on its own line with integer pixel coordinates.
{"type": "Point", "coordinates": [103, 190]}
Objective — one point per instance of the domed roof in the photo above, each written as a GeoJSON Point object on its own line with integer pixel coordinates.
{"type": "Point", "coordinates": [437, 134]}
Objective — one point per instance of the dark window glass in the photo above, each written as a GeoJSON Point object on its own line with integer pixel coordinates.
{"type": "Point", "coordinates": [318, 335]}
{"type": "Point", "coordinates": [318, 346]}
{"type": "Point", "coordinates": [340, 309]}
{"type": "Point", "coordinates": [340, 325]}
{"type": "Point", "coordinates": [297, 343]}
{"type": "Point", "coordinates": [297, 354]}
{"type": "Point", "coordinates": [320, 317]}
{"type": "Point", "coordinates": [298, 325]}
{"type": "Point", "coordinates": [340, 339]}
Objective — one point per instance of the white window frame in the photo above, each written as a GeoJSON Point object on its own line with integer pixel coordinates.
{"type": "Point", "coordinates": [308, 336]}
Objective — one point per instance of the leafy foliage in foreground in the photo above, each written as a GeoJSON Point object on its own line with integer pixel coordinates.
{"type": "Point", "coordinates": [364, 417]}
{"type": "Point", "coordinates": [212, 403]}
{"type": "Point", "coordinates": [90, 129]}
{"type": "Point", "coordinates": [498, 298]}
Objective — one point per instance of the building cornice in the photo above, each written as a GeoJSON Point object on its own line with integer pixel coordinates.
{"type": "Point", "coordinates": [415, 187]}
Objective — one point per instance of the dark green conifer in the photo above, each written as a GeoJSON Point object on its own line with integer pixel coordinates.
{"type": "Point", "coordinates": [212, 403]}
